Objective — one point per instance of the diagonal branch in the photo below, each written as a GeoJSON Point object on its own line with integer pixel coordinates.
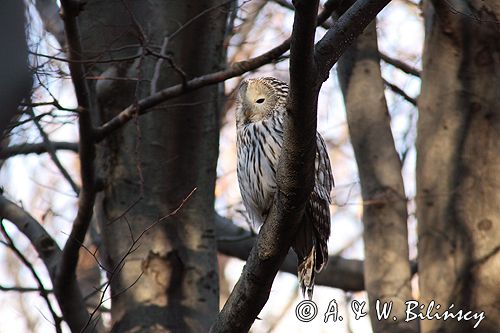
{"type": "Point", "coordinates": [401, 92]}
{"type": "Point", "coordinates": [144, 105]}
{"type": "Point", "coordinates": [408, 69]}
{"type": "Point", "coordinates": [343, 32]}
{"type": "Point", "coordinates": [43, 243]}
{"type": "Point", "coordinates": [294, 182]}
{"type": "Point", "coordinates": [41, 288]}
{"type": "Point", "coordinates": [309, 68]}
{"type": "Point", "coordinates": [68, 296]}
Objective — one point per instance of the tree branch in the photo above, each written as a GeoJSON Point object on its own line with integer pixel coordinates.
{"type": "Point", "coordinates": [144, 105]}
{"type": "Point", "coordinates": [327, 25]}
{"type": "Point", "coordinates": [408, 69]}
{"type": "Point", "coordinates": [308, 70]}
{"type": "Point", "coordinates": [401, 92]}
{"type": "Point", "coordinates": [73, 308]}
{"type": "Point", "coordinates": [343, 32]}
{"type": "Point", "coordinates": [294, 180]}
{"type": "Point", "coordinates": [23, 289]}
{"type": "Point", "coordinates": [51, 256]}
{"type": "Point", "coordinates": [43, 243]}
{"type": "Point", "coordinates": [36, 148]}
{"type": "Point", "coordinates": [86, 147]}
{"type": "Point", "coordinates": [43, 292]}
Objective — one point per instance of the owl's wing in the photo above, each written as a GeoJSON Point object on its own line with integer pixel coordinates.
{"type": "Point", "coordinates": [318, 206]}
{"type": "Point", "coordinates": [323, 179]}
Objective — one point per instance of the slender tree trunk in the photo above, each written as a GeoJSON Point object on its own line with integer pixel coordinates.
{"type": "Point", "coordinates": [165, 279]}
{"type": "Point", "coordinates": [387, 266]}
{"type": "Point", "coordinates": [458, 168]}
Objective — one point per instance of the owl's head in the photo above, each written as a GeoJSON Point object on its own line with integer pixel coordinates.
{"type": "Point", "coordinates": [258, 98]}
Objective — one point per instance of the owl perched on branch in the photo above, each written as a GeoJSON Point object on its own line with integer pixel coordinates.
{"type": "Point", "coordinates": [260, 114]}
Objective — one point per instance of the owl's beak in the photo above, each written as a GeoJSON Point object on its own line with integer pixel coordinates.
{"type": "Point", "coordinates": [247, 113]}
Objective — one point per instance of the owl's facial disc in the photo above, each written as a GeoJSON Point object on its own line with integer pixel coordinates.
{"type": "Point", "coordinates": [257, 100]}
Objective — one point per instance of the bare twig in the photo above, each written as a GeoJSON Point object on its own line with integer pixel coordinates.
{"type": "Point", "coordinates": [401, 92]}
{"type": "Point", "coordinates": [52, 153]}
{"type": "Point", "coordinates": [43, 243]}
{"type": "Point", "coordinates": [400, 65]}
{"type": "Point", "coordinates": [43, 292]}
{"type": "Point", "coordinates": [36, 148]}
{"type": "Point", "coordinates": [54, 103]}
{"type": "Point", "coordinates": [97, 60]}
{"type": "Point", "coordinates": [197, 16]}
{"type": "Point", "coordinates": [180, 72]}
{"type": "Point", "coordinates": [121, 263]}
{"type": "Point", "coordinates": [159, 62]}
{"type": "Point", "coordinates": [71, 302]}
{"type": "Point", "coordinates": [17, 123]}
{"type": "Point", "coordinates": [23, 289]}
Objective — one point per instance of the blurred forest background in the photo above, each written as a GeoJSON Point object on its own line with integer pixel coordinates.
{"type": "Point", "coordinates": [120, 209]}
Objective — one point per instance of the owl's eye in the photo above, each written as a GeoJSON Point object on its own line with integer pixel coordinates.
{"type": "Point", "coordinates": [260, 100]}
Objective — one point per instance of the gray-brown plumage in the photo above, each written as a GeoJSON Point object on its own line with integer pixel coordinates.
{"type": "Point", "coordinates": [260, 114]}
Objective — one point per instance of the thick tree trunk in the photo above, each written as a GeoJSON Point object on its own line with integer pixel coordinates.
{"type": "Point", "coordinates": [387, 266]}
{"type": "Point", "coordinates": [15, 78]}
{"type": "Point", "coordinates": [458, 168]}
{"type": "Point", "coordinates": [165, 279]}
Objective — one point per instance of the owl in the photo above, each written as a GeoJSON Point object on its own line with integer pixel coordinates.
{"type": "Point", "coordinates": [260, 114]}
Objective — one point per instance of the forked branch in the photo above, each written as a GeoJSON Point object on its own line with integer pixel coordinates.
{"type": "Point", "coordinates": [309, 68]}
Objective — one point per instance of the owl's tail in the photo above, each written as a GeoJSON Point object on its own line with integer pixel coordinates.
{"type": "Point", "coordinates": [307, 273]}
{"type": "Point", "coordinates": [310, 254]}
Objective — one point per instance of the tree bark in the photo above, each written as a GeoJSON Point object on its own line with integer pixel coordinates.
{"type": "Point", "coordinates": [458, 167]}
{"type": "Point", "coordinates": [166, 279]}
{"type": "Point", "coordinates": [15, 81]}
{"type": "Point", "coordinates": [387, 266]}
